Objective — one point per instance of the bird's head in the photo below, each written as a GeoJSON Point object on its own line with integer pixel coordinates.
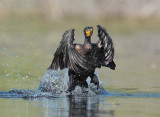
{"type": "Point", "coordinates": [88, 31]}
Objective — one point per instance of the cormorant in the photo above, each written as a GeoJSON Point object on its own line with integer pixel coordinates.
{"type": "Point", "coordinates": [83, 59]}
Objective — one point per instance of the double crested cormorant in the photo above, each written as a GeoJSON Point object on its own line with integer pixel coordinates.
{"type": "Point", "coordinates": [83, 59]}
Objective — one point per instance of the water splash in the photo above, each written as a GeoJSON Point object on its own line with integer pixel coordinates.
{"type": "Point", "coordinates": [56, 82]}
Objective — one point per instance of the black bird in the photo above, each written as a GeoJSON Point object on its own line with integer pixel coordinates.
{"type": "Point", "coordinates": [83, 59]}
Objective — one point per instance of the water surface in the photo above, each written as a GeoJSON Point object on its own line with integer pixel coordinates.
{"type": "Point", "coordinates": [27, 48]}
{"type": "Point", "coordinates": [50, 99]}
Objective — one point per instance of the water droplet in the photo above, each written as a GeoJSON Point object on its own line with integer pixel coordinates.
{"type": "Point", "coordinates": [7, 75]}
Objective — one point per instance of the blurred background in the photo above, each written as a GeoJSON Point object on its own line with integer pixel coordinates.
{"type": "Point", "coordinates": [30, 32]}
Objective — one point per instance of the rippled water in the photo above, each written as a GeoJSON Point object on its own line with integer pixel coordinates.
{"type": "Point", "coordinates": [51, 99]}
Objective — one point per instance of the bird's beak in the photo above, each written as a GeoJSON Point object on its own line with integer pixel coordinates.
{"type": "Point", "coordinates": [89, 32]}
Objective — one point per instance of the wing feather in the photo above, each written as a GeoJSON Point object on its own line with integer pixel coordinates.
{"type": "Point", "coordinates": [106, 55]}
{"type": "Point", "coordinates": [66, 56]}
{"type": "Point", "coordinates": [61, 56]}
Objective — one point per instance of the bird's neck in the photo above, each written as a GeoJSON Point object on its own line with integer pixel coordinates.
{"type": "Point", "coordinates": [87, 40]}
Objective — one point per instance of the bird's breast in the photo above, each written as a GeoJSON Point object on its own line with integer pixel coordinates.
{"type": "Point", "coordinates": [84, 50]}
{"type": "Point", "coordinates": [87, 47]}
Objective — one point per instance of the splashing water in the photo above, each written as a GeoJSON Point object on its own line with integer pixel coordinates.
{"type": "Point", "coordinates": [56, 82]}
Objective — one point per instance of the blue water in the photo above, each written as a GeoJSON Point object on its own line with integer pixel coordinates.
{"type": "Point", "coordinates": [36, 94]}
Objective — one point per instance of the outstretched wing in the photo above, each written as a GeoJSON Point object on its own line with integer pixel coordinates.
{"type": "Point", "coordinates": [61, 56]}
{"type": "Point", "coordinates": [66, 56]}
{"type": "Point", "coordinates": [106, 53]}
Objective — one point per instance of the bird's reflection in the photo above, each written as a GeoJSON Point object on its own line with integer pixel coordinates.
{"type": "Point", "coordinates": [86, 107]}
{"type": "Point", "coordinates": [77, 106]}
